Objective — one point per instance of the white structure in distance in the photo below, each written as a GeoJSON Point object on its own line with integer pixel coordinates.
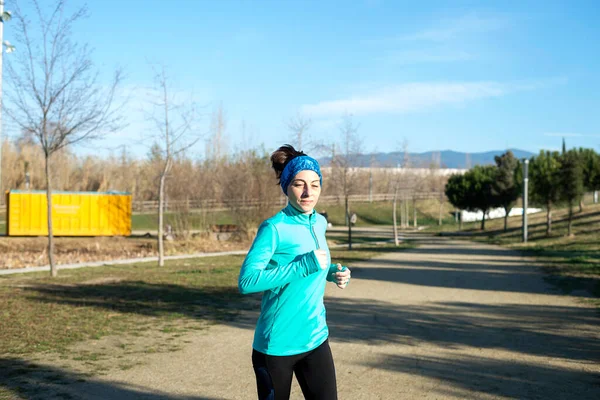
{"type": "Point", "coordinates": [471, 216]}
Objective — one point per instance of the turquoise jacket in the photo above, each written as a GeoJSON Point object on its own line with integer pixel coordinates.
{"type": "Point", "coordinates": [283, 266]}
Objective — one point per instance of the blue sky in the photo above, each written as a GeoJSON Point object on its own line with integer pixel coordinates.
{"type": "Point", "coordinates": [462, 75]}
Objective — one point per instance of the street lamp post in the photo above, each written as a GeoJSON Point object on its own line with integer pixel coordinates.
{"type": "Point", "coordinates": [525, 197]}
{"type": "Point", "coordinates": [1, 51]}
{"type": "Point", "coordinates": [4, 16]}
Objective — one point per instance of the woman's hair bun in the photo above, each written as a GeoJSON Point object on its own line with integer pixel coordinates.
{"type": "Point", "coordinates": [282, 156]}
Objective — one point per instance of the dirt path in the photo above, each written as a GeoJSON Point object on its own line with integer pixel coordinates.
{"type": "Point", "coordinates": [447, 320]}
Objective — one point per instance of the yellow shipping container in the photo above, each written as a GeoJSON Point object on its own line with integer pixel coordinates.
{"type": "Point", "coordinates": [73, 213]}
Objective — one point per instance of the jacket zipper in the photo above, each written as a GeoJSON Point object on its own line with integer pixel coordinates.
{"type": "Point", "coordinates": [312, 230]}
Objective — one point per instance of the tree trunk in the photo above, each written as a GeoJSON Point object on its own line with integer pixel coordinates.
{"type": "Point", "coordinates": [483, 222]}
{"type": "Point", "coordinates": [350, 236]}
{"type": "Point", "coordinates": [161, 197]}
{"type": "Point", "coordinates": [346, 210]}
{"type": "Point", "coordinates": [349, 223]}
{"type": "Point", "coordinates": [548, 220]}
{"type": "Point", "coordinates": [506, 212]}
{"type": "Point", "coordinates": [570, 218]}
{"type": "Point", "coordinates": [581, 205]}
{"type": "Point", "coordinates": [415, 213]}
{"type": "Point", "coordinates": [460, 220]}
{"type": "Point", "coordinates": [440, 215]}
{"type": "Point", "coordinates": [394, 217]}
{"type": "Point", "coordinates": [161, 253]}
{"type": "Point", "coordinates": [401, 215]}
{"type": "Point", "coordinates": [407, 212]}
{"type": "Point", "coordinates": [53, 269]}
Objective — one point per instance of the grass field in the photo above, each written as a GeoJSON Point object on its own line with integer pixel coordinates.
{"type": "Point", "coordinates": [41, 314]}
{"type": "Point", "coordinates": [381, 213]}
{"type": "Point", "coordinates": [368, 214]}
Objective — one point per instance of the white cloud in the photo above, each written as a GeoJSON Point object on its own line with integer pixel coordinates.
{"type": "Point", "coordinates": [445, 30]}
{"type": "Point", "coordinates": [451, 29]}
{"type": "Point", "coordinates": [413, 97]}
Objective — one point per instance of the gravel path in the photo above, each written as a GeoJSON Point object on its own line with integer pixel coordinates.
{"type": "Point", "coordinates": [447, 320]}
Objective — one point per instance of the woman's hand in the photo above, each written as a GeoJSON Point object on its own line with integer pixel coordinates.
{"type": "Point", "coordinates": [342, 276]}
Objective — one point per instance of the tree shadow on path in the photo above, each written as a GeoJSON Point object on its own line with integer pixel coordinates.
{"type": "Point", "coordinates": [564, 336]}
{"type": "Point", "coordinates": [538, 330]}
{"type": "Point", "coordinates": [505, 378]}
{"type": "Point", "coordinates": [464, 266]}
{"type": "Point", "coordinates": [149, 299]}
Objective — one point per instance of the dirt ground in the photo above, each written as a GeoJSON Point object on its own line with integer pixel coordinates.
{"type": "Point", "coordinates": [20, 252]}
{"type": "Point", "coordinates": [446, 320]}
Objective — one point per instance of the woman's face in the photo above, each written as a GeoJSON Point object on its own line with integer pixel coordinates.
{"type": "Point", "coordinates": [304, 190]}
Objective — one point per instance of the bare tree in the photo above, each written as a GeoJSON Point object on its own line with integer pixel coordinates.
{"type": "Point", "coordinates": [53, 89]}
{"type": "Point", "coordinates": [397, 181]}
{"type": "Point", "coordinates": [175, 133]}
{"type": "Point", "coordinates": [298, 126]}
{"type": "Point", "coordinates": [438, 182]}
{"type": "Point", "coordinates": [250, 169]}
{"type": "Point", "coordinates": [342, 165]}
{"type": "Point", "coordinates": [216, 146]}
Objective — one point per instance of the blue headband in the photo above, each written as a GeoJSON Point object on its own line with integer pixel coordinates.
{"type": "Point", "coordinates": [300, 163]}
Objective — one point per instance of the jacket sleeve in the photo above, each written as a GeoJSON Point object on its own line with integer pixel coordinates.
{"type": "Point", "coordinates": [255, 276]}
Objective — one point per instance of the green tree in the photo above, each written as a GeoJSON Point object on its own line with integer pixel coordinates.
{"type": "Point", "coordinates": [590, 165]}
{"type": "Point", "coordinates": [571, 181]}
{"type": "Point", "coordinates": [596, 174]}
{"type": "Point", "coordinates": [473, 192]}
{"type": "Point", "coordinates": [481, 197]}
{"type": "Point", "coordinates": [457, 190]}
{"type": "Point", "coordinates": [544, 173]}
{"type": "Point", "coordinates": [505, 188]}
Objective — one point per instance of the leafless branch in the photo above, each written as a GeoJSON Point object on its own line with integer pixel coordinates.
{"type": "Point", "coordinates": [298, 126]}
{"type": "Point", "coordinates": [52, 89]}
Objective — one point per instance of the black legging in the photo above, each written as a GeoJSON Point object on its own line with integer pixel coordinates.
{"type": "Point", "coordinates": [314, 370]}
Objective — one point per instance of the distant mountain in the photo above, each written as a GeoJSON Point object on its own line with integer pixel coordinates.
{"type": "Point", "coordinates": [447, 158]}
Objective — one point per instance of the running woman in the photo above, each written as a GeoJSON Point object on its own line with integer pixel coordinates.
{"type": "Point", "coordinates": [289, 262]}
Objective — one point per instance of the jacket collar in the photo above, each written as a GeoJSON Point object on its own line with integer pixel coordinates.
{"type": "Point", "coordinates": [299, 217]}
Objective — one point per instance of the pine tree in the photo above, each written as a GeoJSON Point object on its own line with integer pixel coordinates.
{"type": "Point", "coordinates": [544, 173]}
{"type": "Point", "coordinates": [571, 182]}
{"type": "Point", "coordinates": [590, 165]}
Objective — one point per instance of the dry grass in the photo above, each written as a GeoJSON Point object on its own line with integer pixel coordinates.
{"type": "Point", "coordinates": [19, 252]}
